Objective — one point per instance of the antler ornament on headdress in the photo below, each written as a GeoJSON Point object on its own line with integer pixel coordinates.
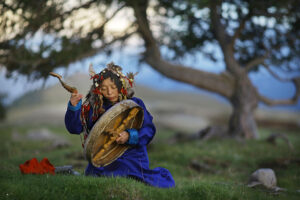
{"type": "Point", "coordinates": [66, 86]}
{"type": "Point", "coordinates": [91, 70]}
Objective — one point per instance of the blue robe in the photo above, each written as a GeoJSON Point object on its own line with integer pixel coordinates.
{"type": "Point", "coordinates": [134, 162]}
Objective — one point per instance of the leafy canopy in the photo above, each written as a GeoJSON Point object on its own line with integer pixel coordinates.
{"type": "Point", "coordinates": [37, 36]}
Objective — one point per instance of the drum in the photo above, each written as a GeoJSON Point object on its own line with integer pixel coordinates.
{"type": "Point", "coordinates": [100, 146]}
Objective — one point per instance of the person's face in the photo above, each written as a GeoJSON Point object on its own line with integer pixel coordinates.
{"type": "Point", "coordinates": [109, 90]}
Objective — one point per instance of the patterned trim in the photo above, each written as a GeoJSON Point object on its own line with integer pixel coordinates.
{"type": "Point", "coordinates": [74, 108]}
{"type": "Point", "coordinates": [133, 136]}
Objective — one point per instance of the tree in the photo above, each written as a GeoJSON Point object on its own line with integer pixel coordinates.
{"type": "Point", "coordinates": [246, 39]}
{"type": "Point", "coordinates": [250, 35]}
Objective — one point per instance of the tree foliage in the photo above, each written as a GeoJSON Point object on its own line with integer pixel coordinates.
{"type": "Point", "coordinates": [39, 36]}
{"type": "Point", "coordinates": [256, 28]}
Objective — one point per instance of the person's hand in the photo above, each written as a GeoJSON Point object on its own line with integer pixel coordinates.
{"type": "Point", "coordinates": [75, 98]}
{"type": "Point", "coordinates": [123, 137]}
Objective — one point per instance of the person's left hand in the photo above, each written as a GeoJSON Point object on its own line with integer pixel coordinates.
{"type": "Point", "coordinates": [123, 137]}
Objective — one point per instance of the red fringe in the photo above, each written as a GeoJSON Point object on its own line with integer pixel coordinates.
{"type": "Point", "coordinates": [124, 91]}
{"type": "Point", "coordinates": [97, 91]}
{"type": "Point", "coordinates": [130, 82]}
{"type": "Point", "coordinates": [96, 76]}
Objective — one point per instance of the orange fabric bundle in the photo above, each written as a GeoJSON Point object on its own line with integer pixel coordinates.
{"type": "Point", "coordinates": [34, 167]}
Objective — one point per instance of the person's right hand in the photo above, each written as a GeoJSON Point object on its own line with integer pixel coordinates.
{"type": "Point", "coordinates": [75, 98]}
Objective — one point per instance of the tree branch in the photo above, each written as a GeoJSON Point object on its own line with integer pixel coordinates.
{"type": "Point", "coordinates": [222, 84]}
{"type": "Point", "coordinates": [256, 61]}
{"type": "Point", "coordinates": [85, 5]}
{"type": "Point", "coordinates": [102, 27]}
{"type": "Point", "coordinates": [5, 5]}
{"type": "Point", "coordinates": [293, 100]}
{"type": "Point", "coordinates": [97, 50]}
{"type": "Point", "coordinates": [240, 28]}
{"type": "Point", "coordinates": [144, 28]}
{"type": "Point", "coordinates": [217, 26]}
{"type": "Point", "coordinates": [276, 75]}
{"type": "Point", "coordinates": [223, 39]}
{"type": "Point", "coordinates": [268, 15]}
{"type": "Point", "coordinates": [48, 64]}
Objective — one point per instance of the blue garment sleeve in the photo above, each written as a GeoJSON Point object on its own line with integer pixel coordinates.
{"type": "Point", "coordinates": [74, 108]}
{"type": "Point", "coordinates": [147, 131]}
{"type": "Point", "coordinates": [72, 118]}
{"type": "Point", "coordinates": [133, 136]}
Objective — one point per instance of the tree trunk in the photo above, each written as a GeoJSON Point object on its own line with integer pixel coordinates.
{"type": "Point", "coordinates": [244, 101]}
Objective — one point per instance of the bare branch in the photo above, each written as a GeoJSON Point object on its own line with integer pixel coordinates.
{"type": "Point", "coordinates": [223, 39]}
{"type": "Point", "coordinates": [5, 5]}
{"type": "Point", "coordinates": [101, 28]}
{"type": "Point", "coordinates": [97, 50]}
{"type": "Point", "coordinates": [276, 75]}
{"type": "Point", "coordinates": [240, 28]}
{"type": "Point", "coordinates": [238, 31]}
{"type": "Point", "coordinates": [144, 29]}
{"type": "Point", "coordinates": [40, 62]}
{"type": "Point", "coordinates": [218, 27]}
{"type": "Point", "coordinates": [271, 102]}
{"type": "Point", "coordinates": [257, 61]}
{"type": "Point", "coordinates": [267, 14]}
{"type": "Point", "coordinates": [113, 15]}
{"type": "Point", "coordinates": [85, 5]}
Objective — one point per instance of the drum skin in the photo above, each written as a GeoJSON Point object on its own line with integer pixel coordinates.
{"type": "Point", "coordinates": [100, 146]}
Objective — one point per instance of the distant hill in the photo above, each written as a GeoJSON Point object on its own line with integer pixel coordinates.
{"type": "Point", "coordinates": [177, 110]}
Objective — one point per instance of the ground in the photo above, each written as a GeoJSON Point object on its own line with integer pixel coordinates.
{"type": "Point", "coordinates": [229, 164]}
{"type": "Point", "coordinates": [215, 169]}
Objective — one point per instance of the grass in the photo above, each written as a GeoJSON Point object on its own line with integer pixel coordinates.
{"type": "Point", "coordinates": [230, 164]}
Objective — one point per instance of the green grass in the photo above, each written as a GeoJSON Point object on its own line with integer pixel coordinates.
{"type": "Point", "coordinates": [230, 164]}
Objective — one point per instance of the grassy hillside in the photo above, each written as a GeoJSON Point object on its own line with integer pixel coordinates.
{"type": "Point", "coordinates": [229, 165]}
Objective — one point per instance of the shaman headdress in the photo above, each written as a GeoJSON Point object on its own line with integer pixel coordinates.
{"type": "Point", "coordinates": [94, 99]}
{"type": "Point", "coordinates": [126, 81]}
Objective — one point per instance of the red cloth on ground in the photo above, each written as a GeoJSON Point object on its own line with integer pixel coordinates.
{"type": "Point", "coordinates": [34, 167]}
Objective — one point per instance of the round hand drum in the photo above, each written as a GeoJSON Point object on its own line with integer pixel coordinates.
{"type": "Point", "coordinates": [100, 146]}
